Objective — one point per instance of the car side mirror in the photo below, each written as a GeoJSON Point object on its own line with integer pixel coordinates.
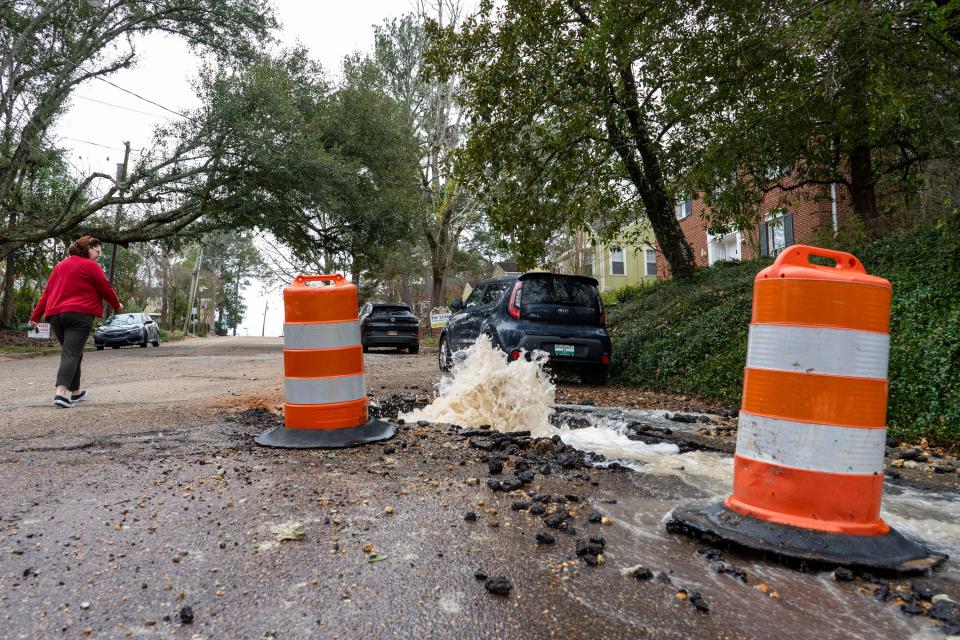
{"type": "Point", "coordinates": [148, 322]}
{"type": "Point", "coordinates": [457, 305]}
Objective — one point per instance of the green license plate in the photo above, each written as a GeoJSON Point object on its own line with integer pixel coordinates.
{"type": "Point", "coordinates": [563, 350]}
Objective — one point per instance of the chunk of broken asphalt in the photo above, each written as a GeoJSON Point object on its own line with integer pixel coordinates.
{"type": "Point", "coordinates": [642, 573]}
{"type": "Point", "coordinates": [526, 476]}
{"type": "Point", "coordinates": [470, 516]}
{"type": "Point", "coordinates": [186, 615]}
{"type": "Point", "coordinates": [495, 466]}
{"type": "Point", "coordinates": [594, 516]}
{"type": "Point", "coordinates": [495, 485]}
{"type": "Point", "coordinates": [598, 539]}
{"type": "Point", "coordinates": [480, 575]}
{"type": "Point", "coordinates": [842, 574]}
{"type": "Point", "coordinates": [519, 506]}
{"type": "Point", "coordinates": [697, 601]}
{"type": "Point", "coordinates": [709, 553]}
{"type": "Point", "coordinates": [499, 586]}
{"type": "Point", "coordinates": [584, 547]}
{"type": "Point", "coordinates": [545, 538]}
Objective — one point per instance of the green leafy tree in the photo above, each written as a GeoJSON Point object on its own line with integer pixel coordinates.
{"type": "Point", "coordinates": [857, 93]}
{"type": "Point", "coordinates": [448, 208]}
{"type": "Point", "coordinates": [50, 49]}
{"type": "Point", "coordinates": [568, 120]}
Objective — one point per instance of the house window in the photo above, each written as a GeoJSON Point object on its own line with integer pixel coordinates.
{"type": "Point", "coordinates": [650, 262]}
{"type": "Point", "coordinates": [776, 233]}
{"type": "Point", "coordinates": [618, 263]}
{"type": "Point", "coordinates": [684, 206]}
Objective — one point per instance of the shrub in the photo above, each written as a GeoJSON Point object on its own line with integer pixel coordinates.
{"type": "Point", "coordinates": [691, 336]}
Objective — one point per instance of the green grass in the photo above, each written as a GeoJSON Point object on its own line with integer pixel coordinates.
{"type": "Point", "coordinates": [691, 336]}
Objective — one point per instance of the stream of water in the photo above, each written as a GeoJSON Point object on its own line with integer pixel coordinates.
{"type": "Point", "coordinates": [487, 390]}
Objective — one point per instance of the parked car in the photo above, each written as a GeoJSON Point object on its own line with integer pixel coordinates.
{"type": "Point", "coordinates": [123, 329]}
{"type": "Point", "coordinates": [389, 324]}
{"type": "Point", "coordinates": [561, 315]}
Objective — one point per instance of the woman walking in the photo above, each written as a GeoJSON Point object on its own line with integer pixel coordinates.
{"type": "Point", "coordinates": [70, 301]}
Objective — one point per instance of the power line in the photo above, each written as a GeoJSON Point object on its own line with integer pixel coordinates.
{"type": "Point", "coordinates": [117, 106]}
{"type": "Point", "coordinates": [96, 144]}
{"type": "Point", "coordinates": [116, 86]}
{"type": "Point", "coordinates": [137, 95]}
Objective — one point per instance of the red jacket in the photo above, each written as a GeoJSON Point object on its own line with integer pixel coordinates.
{"type": "Point", "coordinates": [77, 284]}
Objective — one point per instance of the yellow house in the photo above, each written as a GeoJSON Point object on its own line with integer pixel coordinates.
{"type": "Point", "coordinates": [631, 259]}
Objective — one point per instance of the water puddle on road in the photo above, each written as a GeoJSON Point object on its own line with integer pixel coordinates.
{"type": "Point", "coordinates": [486, 390]}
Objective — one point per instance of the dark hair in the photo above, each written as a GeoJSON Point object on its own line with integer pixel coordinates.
{"type": "Point", "coordinates": [81, 246]}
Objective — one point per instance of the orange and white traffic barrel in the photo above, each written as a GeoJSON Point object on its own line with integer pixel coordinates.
{"type": "Point", "coordinates": [808, 468]}
{"type": "Point", "coordinates": [325, 393]}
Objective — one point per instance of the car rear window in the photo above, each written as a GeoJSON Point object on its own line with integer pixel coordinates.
{"type": "Point", "coordinates": [121, 320]}
{"type": "Point", "coordinates": [390, 311]}
{"type": "Point", "coordinates": [560, 291]}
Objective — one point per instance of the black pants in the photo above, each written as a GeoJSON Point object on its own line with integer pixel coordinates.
{"type": "Point", "coordinates": [72, 330]}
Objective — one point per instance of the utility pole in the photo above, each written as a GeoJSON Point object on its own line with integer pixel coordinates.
{"type": "Point", "coordinates": [263, 329]}
{"type": "Point", "coordinates": [122, 180]}
{"type": "Point", "coordinates": [194, 285]}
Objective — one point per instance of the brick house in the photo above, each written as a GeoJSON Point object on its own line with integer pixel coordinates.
{"type": "Point", "coordinates": [799, 216]}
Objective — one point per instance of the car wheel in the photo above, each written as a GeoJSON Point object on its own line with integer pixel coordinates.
{"type": "Point", "coordinates": [156, 343]}
{"type": "Point", "coordinates": [99, 347]}
{"type": "Point", "coordinates": [414, 349]}
{"type": "Point", "coordinates": [143, 344]}
{"type": "Point", "coordinates": [446, 357]}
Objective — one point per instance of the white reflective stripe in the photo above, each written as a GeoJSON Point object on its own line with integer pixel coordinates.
{"type": "Point", "coordinates": [840, 352]}
{"type": "Point", "coordinates": [324, 390]}
{"type": "Point", "coordinates": [815, 447]}
{"type": "Point", "coordinates": [321, 335]}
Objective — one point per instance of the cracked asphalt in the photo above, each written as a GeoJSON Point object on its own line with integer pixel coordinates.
{"type": "Point", "coordinates": [151, 498]}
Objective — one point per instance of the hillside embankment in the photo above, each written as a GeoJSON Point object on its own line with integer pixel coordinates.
{"type": "Point", "coordinates": [691, 336]}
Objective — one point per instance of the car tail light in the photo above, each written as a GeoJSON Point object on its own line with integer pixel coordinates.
{"type": "Point", "coordinates": [514, 307]}
{"type": "Point", "coordinates": [605, 359]}
{"type": "Point", "coordinates": [515, 354]}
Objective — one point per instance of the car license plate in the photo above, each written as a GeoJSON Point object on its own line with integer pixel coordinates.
{"type": "Point", "coordinates": [391, 333]}
{"type": "Point", "coordinates": [563, 350]}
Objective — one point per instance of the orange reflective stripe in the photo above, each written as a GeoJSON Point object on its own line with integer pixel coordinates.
{"type": "Point", "coordinates": [807, 397]}
{"type": "Point", "coordinates": [822, 303]}
{"type": "Point", "coordinates": [837, 503]}
{"type": "Point", "coordinates": [335, 415]}
{"type": "Point", "coordinates": [319, 363]}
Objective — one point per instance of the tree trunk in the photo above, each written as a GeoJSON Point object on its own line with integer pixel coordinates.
{"type": "Point", "coordinates": [165, 319]}
{"type": "Point", "coordinates": [863, 191]}
{"type": "Point", "coordinates": [6, 309]}
{"type": "Point", "coordinates": [647, 174]}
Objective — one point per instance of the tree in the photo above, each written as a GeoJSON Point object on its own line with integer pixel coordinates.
{"type": "Point", "coordinates": [447, 207]}
{"type": "Point", "coordinates": [858, 93]}
{"type": "Point", "coordinates": [52, 48]}
{"type": "Point", "coordinates": [567, 117]}
{"type": "Point", "coordinates": [232, 260]}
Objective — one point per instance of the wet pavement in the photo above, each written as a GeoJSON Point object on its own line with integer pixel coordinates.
{"type": "Point", "coordinates": [163, 521]}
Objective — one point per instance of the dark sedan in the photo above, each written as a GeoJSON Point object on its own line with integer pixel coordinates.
{"type": "Point", "coordinates": [123, 329]}
{"type": "Point", "coordinates": [389, 324]}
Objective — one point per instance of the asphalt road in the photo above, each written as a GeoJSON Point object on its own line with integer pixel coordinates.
{"type": "Point", "coordinates": [151, 497]}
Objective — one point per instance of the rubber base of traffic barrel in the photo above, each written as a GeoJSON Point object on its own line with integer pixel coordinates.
{"type": "Point", "coordinates": [283, 438]}
{"type": "Point", "coordinates": [891, 552]}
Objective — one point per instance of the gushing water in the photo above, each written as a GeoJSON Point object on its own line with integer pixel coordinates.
{"type": "Point", "coordinates": [487, 390]}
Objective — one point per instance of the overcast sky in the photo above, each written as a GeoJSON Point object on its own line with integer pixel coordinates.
{"type": "Point", "coordinates": [94, 132]}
